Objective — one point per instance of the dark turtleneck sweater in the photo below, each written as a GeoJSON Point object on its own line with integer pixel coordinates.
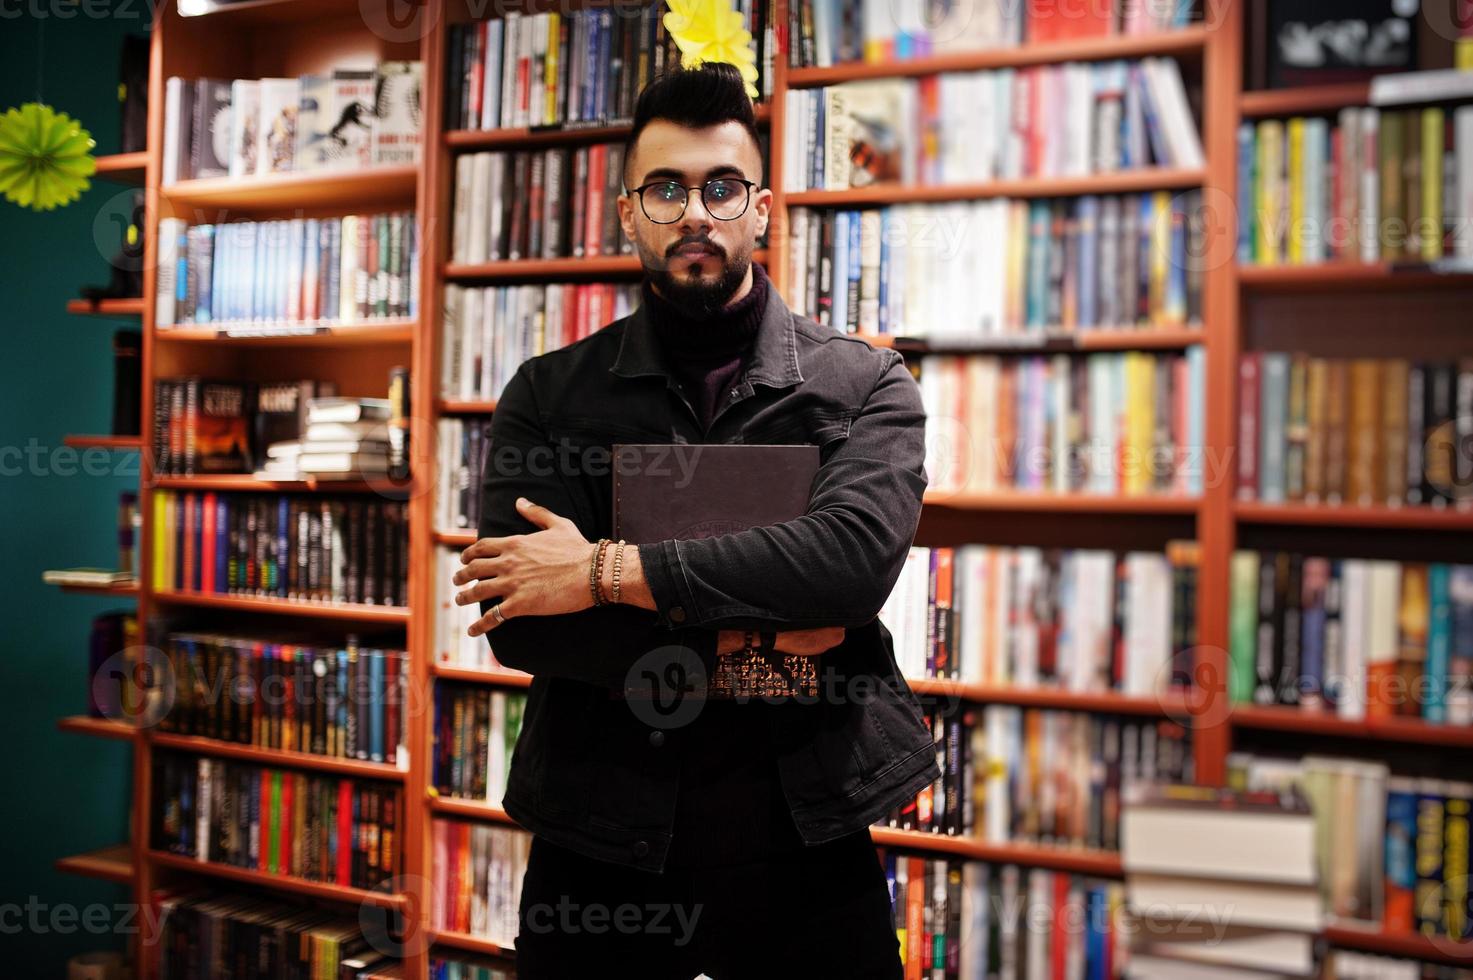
{"type": "Point", "coordinates": [730, 808]}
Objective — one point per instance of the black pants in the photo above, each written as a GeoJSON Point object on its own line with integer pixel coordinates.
{"type": "Point", "coordinates": [824, 912]}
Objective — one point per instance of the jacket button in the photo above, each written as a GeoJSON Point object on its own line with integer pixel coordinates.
{"type": "Point", "coordinates": [641, 848]}
{"type": "Point", "coordinates": [657, 739]}
{"type": "Point", "coordinates": [677, 614]}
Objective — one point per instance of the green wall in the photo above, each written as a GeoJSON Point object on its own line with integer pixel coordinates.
{"type": "Point", "coordinates": [63, 793]}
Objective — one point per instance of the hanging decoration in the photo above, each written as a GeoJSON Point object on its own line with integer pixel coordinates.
{"type": "Point", "coordinates": [45, 157]}
{"type": "Point", "coordinates": [710, 30]}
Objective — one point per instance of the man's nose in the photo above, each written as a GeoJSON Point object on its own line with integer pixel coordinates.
{"type": "Point", "coordinates": [696, 214]}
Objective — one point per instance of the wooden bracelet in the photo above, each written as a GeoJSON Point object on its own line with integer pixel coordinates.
{"type": "Point", "coordinates": [595, 571]}
{"type": "Point", "coordinates": [618, 568]}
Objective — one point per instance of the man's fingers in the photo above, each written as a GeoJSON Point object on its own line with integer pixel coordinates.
{"type": "Point", "coordinates": [480, 568]}
{"type": "Point", "coordinates": [486, 548]}
{"type": "Point", "coordinates": [487, 622]}
{"type": "Point", "coordinates": [537, 514]}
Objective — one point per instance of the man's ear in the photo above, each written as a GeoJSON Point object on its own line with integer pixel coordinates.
{"type": "Point", "coordinates": [762, 202]}
{"type": "Point", "coordinates": [625, 205]}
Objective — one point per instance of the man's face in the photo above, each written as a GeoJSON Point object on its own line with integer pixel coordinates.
{"type": "Point", "coordinates": [697, 262]}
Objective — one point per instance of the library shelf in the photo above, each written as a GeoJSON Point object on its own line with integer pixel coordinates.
{"type": "Point", "coordinates": [122, 168]}
{"type": "Point", "coordinates": [1186, 42]}
{"type": "Point", "coordinates": [393, 330]}
{"type": "Point", "coordinates": [301, 886]}
{"type": "Point", "coordinates": [130, 306]}
{"type": "Point", "coordinates": [113, 863]}
{"type": "Point", "coordinates": [1411, 945]}
{"type": "Point", "coordinates": [459, 539]}
{"type": "Point", "coordinates": [120, 589]}
{"type": "Point", "coordinates": [351, 611]}
{"type": "Point", "coordinates": [1409, 517]}
{"type": "Point", "coordinates": [455, 406]}
{"type": "Point", "coordinates": [1062, 503]}
{"type": "Point", "coordinates": [1173, 702]}
{"type": "Point", "coordinates": [364, 188]}
{"type": "Point", "coordinates": [1414, 731]}
{"type": "Point", "coordinates": [1309, 99]}
{"type": "Point", "coordinates": [120, 443]}
{"type": "Point", "coordinates": [1078, 860]}
{"type": "Point", "coordinates": [277, 757]}
{"type": "Point", "coordinates": [1366, 276]}
{"type": "Point", "coordinates": [98, 727]}
{"type": "Point", "coordinates": [471, 944]}
{"type": "Point", "coordinates": [580, 268]}
{"type": "Point", "coordinates": [483, 810]}
{"type": "Point", "coordinates": [1048, 341]}
{"type": "Point", "coordinates": [1119, 182]}
{"type": "Point", "coordinates": [481, 675]}
{"type": "Point", "coordinates": [307, 484]}
{"type": "Point", "coordinates": [523, 137]}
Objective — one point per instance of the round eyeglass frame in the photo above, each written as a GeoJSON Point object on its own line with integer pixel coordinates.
{"type": "Point", "coordinates": [638, 192]}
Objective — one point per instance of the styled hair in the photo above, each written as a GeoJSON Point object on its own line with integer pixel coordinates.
{"type": "Point", "coordinates": [708, 95]}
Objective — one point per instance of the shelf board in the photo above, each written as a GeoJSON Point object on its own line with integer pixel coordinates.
{"type": "Point", "coordinates": [1048, 341]}
{"type": "Point", "coordinates": [1180, 43]}
{"type": "Point", "coordinates": [277, 757]}
{"type": "Point", "coordinates": [1335, 276]}
{"type": "Point", "coordinates": [1410, 945]}
{"type": "Point", "coordinates": [1062, 503]}
{"type": "Point", "coordinates": [1311, 99]}
{"type": "Point", "coordinates": [97, 727]}
{"type": "Point", "coordinates": [395, 330]}
{"type": "Point", "coordinates": [350, 611]}
{"type": "Point", "coordinates": [587, 267]}
{"type": "Point", "coordinates": [1111, 702]}
{"type": "Point", "coordinates": [1121, 182]}
{"type": "Point", "coordinates": [1410, 730]}
{"type": "Point", "coordinates": [113, 863]}
{"type": "Point", "coordinates": [301, 886]}
{"type": "Point", "coordinates": [309, 484]}
{"type": "Point", "coordinates": [471, 944]}
{"type": "Point", "coordinates": [1410, 518]}
{"type": "Point", "coordinates": [106, 307]}
{"type": "Point", "coordinates": [520, 137]}
{"type": "Point", "coordinates": [120, 443]}
{"type": "Point", "coordinates": [315, 188]}
{"type": "Point", "coordinates": [450, 406]}
{"type": "Point", "coordinates": [122, 589]}
{"type": "Point", "coordinates": [481, 675]}
{"type": "Point", "coordinates": [458, 539]}
{"type": "Point", "coordinates": [1074, 859]}
{"type": "Point", "coordinates": [122, 168]}
{"type": "Point", "coordinates": [275, 13]}
{"type": "Point", "coordinates": [469, 809]}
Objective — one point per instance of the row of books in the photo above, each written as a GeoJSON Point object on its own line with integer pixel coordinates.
{"type": "Point", "coordinates": [1347, 965]}
{"type": "Point", "coordinates": [1000, 270]}
{"type": "Point", "coordinates": [1065, 120]}
{"type": "Point", "coordinates": [1408, 836]}
{"type": "Point", "coordinates": [286, 546]}
{"type": "Point", "coordinates": [1077, 620]}
{"type": "Point", "coordinates": [964, 920]}
{"type": "Point", "coordinates": [1361, 638]}
{"type": "Point", "coordinates": [206, 934]}
{"type": "Point", "coordinates": [289, 271]}
{"type": "Point", "coordinates": [349, 438]}
{"type": "Point", "coordinates": [1358, 431]}
{"type": "Point", "coordinates": [489, 331]}
{"type": "Point", "coordinates": [346, 701]}
{"type": "Point", "coordinates": [476, 728]}
{"type": "Point", "coordinates": [538, 204]}
{"type": "Point", "coordinates": [115, 656]}
{"type": "Point", "coordinates": [828, 32]}
{"type": "Point", "coordinates": [452, 646]}
{"type": "Point", "coordinates": [278, 822]}
{"type": "Point", "coordinates": [568, 68]}
{"type": "Point", "coordinates": [476, 881]}
{"type": "Point", "coordinates": [464, 446]}
{"type": "Point", "coordinates": [1370, 185]}
{"type": "Point", "coordinates": [454, 968]}
{"type": "Point", "coordinates": [1126, 423]}
{"type": "Point", "coordinates": [1011, 774]}
{"type": "Point", "coordinates": [345, 119]}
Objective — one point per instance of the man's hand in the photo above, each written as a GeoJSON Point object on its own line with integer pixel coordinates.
{"type": "Point", "coordinates": [543, 573]}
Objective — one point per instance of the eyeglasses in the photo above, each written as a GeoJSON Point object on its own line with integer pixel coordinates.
{"type": "Point", "coordinates": [725, 198]}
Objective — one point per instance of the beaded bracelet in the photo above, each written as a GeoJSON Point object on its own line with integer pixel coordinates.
{"type": "Point", "coordinates": [595, 572]}
{"type": "Point", "coordinates": [618, 567]}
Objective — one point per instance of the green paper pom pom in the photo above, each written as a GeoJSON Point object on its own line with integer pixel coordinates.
{"type": "Point", "coordinates": [45, 157]}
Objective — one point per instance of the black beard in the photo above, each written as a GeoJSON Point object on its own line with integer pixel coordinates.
{"type": "Point", "coordinates": [699, 298]}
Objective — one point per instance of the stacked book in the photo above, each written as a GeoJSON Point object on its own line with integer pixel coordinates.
{"type": "Point", "coordinates": [345, 438]}
{"type": "Point", "coordinates": [1220, 884]}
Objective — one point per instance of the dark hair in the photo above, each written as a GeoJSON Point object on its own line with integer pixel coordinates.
{"type": "Point", "coordinates": [708, 95]}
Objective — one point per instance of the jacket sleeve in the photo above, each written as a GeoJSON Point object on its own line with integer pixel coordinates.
{"type": "Point", "coordinates": [835, 565]}
{"type": "Point", "coordinates": [600, 645]}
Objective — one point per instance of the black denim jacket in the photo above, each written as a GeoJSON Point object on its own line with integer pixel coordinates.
{"type": "Point", "coordinates": [596, 772]}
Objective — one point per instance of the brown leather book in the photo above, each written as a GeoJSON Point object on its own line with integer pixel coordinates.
{"type": "Point", "coordinates": [699, 491]}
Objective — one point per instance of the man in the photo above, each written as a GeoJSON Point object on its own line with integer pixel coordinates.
{"type": "Point", "coordinates": [730, 838]}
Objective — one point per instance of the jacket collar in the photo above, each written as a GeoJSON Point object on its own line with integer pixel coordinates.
{"type": "Point", "coordinates": [773, 361]}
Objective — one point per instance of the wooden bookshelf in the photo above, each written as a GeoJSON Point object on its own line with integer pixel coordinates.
{"type": "Point", "coordinates": [1409, 945]}
{"type": "Point", "coordinates": [376, 187]}
{"type": "Point", "coordinates": [585, 268]}
{"type": "Point", "coordinates": [1061, 503]}
{"type": "Point", "coordinates": [199, 745]}
{"type": "Point", "coordinates": [449, 806]}
{"type": "Point", "coordinates": [113, 864]}
{"type": "Point", "coordinates": [1407, 518]}
{"type": "Point", "coordinates": [524, 138]}
{"type": "Point", "coordinates": [96, 727]}
{"type": "Point", "coordinates": [480, 675]}
{"type": "Point", "coordinates": [300, 886]}
{"type": "Point", "coordinates": [118, 443]}
{"type": "Point", "coordinates": [121, 589]}
{"type": "Point", "coordinates": [308, 484]}
{"type": "Point", "coordinates": [1047, 341]}
{"type": "Point", "coordinates": [122, 168]}
{"type": "Point", "coordinates": [1361, 276]}
{"type": "Point", "coordinates": [471, 944]}
{"type": "Point", "coordinates": [1075, 860]}
{"type": "Point", "coordinates": [1412, 731]}
{"type": "Point", "coordinates": [1120, 182]}
{"type": "Point", "coordinates": [1308, 100]}
{"type": "Point", "coordinates": [349, 611]}
{"type": "Point", "coordinates": [114, 308]}
{"type": "Point", "coordinates": [457, 407]}
{"type": "Point", "coordinates": [1171, 703]}
{"type": "Point", "coordinates": [387, 331]}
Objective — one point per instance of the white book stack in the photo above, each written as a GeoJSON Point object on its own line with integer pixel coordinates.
{"type": "Point", "coordinates": [345, 438]}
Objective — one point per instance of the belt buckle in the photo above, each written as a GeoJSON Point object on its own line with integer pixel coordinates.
{"type": "Point", "coordinates": [751, 674]}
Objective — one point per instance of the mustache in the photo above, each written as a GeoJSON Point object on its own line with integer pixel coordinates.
{"type": "Point", "coordinates": [701, 240]}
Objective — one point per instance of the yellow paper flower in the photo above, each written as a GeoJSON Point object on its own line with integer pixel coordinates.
{"type": "Point", "coordinates": [45, 157]}
{"type": "Point", "coordinates": [710, 30]}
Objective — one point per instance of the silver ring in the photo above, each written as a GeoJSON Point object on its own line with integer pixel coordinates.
{"type": "Point", "coordinates": [496, 611]}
